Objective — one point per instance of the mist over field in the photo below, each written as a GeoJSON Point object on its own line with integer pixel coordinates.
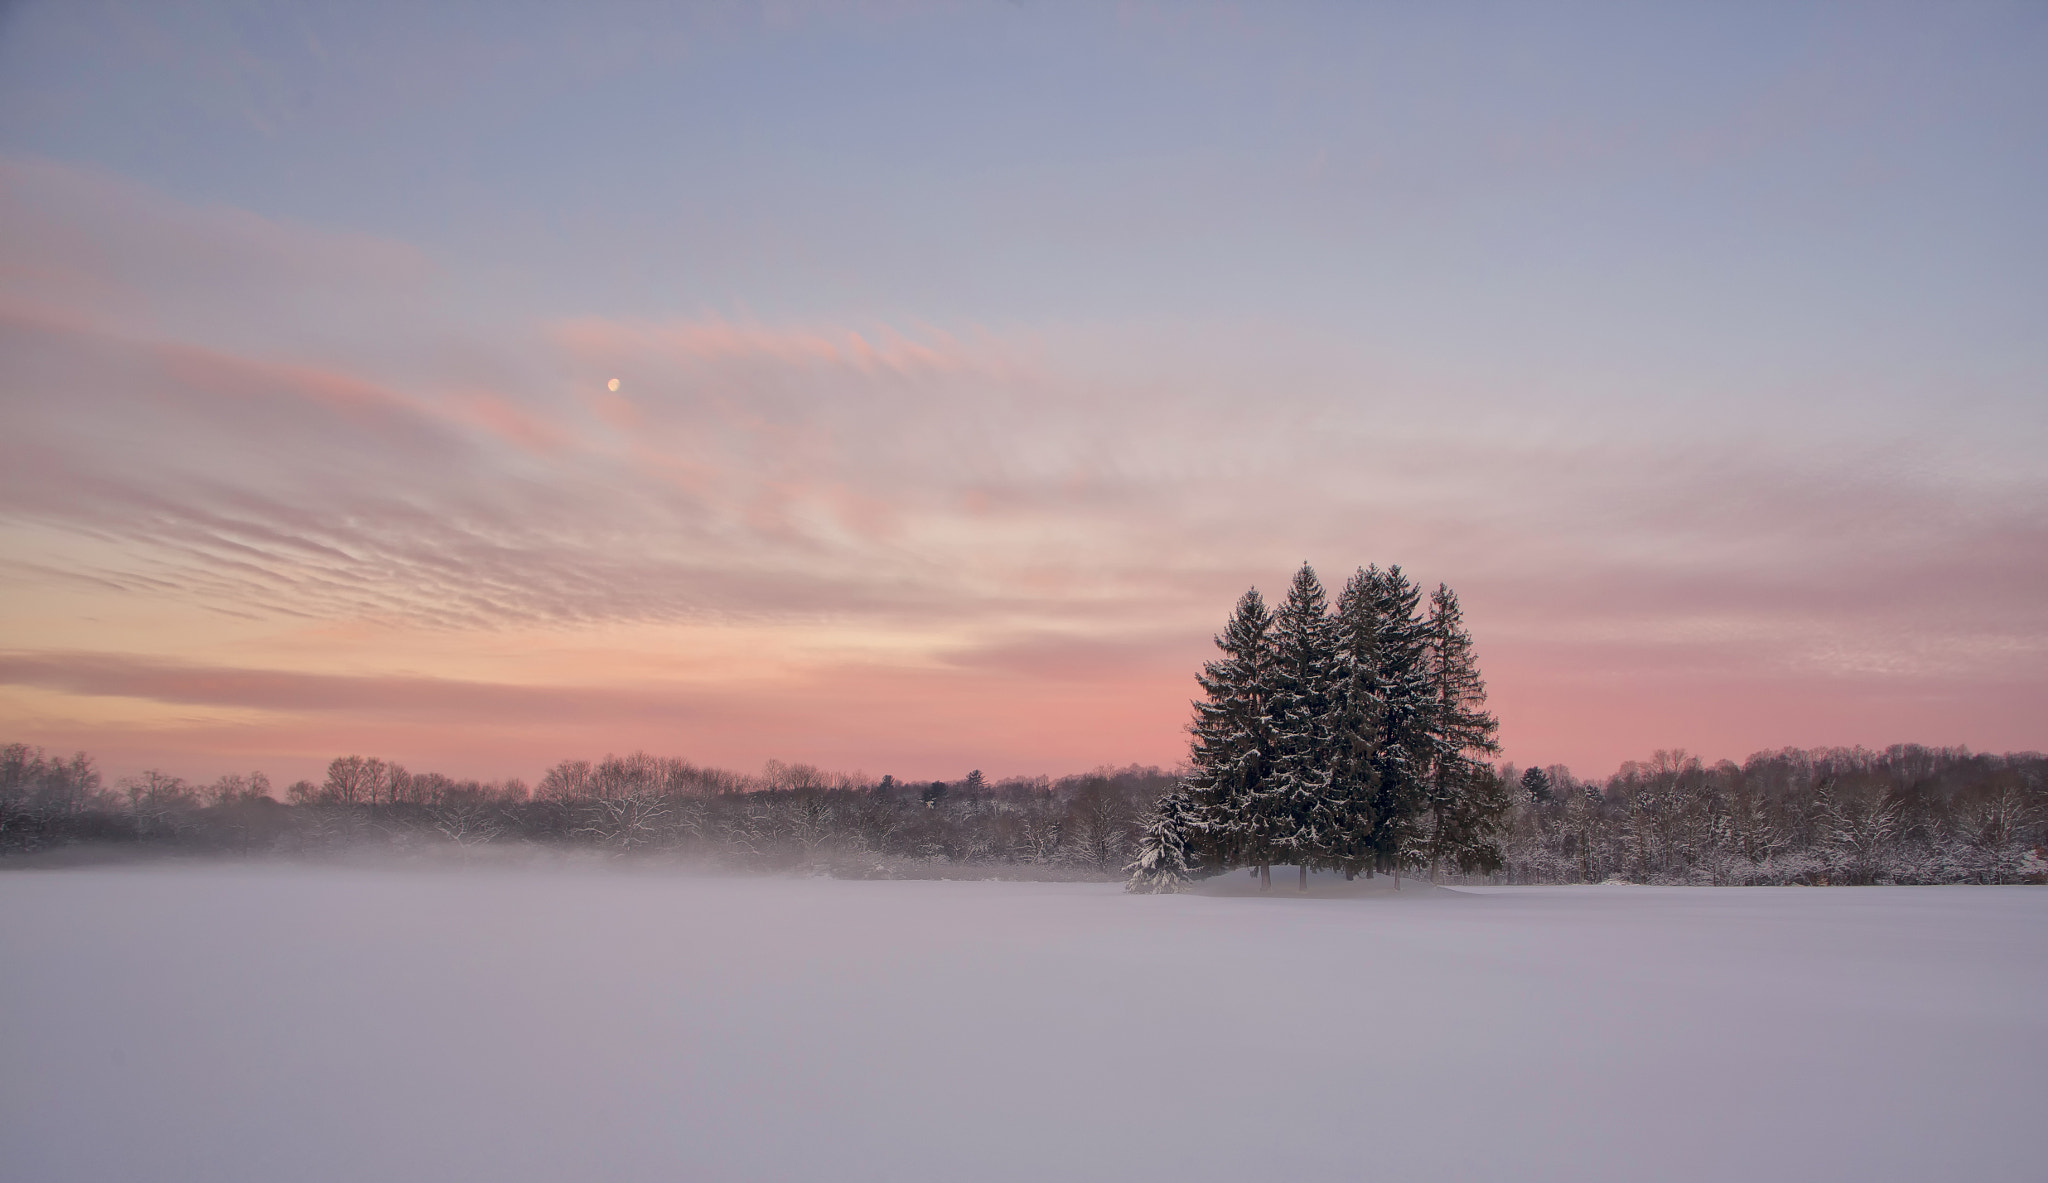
{"type": "Point", "coordinates": [265, 1023]}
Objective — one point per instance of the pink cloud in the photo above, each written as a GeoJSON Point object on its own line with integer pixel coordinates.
{"type": "Point", "coordinates": [877, 352]}
{"type": "Point", "coordinates": [123, 257]}
{"type": "Point", "coordinates": [511, 423]}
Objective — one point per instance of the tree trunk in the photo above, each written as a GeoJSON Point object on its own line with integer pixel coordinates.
{"type": "Point", "coordinates": [1304, 877]}
{"type": "Point", "coordinates": [1265, 877]}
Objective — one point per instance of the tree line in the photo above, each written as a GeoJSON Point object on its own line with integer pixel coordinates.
{"type": "Point", "coordinates": [787, 816]}
{"type": "Point", "coordinates": [1350, 737]}
{"type": "Point", "coordinates": [1907, 814]}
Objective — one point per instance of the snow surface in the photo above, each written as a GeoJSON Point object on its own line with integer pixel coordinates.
{"type": "Point", "coordinates": [291, 1023]}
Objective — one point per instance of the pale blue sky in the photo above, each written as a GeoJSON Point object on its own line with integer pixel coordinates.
{"type": "Point", "coordinates": [1564, 178]}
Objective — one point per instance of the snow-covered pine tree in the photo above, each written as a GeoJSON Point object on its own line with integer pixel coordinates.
{"type": "Point", "coordinates": [1401, 742]}
{"type": "Point", "coordinates": [1466, 799]}
{"type": "Point", "coordinates": [1231, 749]}
{"type": "Point", "coordinates": [1293, 810]}
{"type": "Point", "coordinates": [1161, 866]}
{"type": "Point", "coordinates": [1349, 822]}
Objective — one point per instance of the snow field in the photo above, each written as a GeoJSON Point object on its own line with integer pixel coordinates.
{"type": "Point", "coordinates": [291, 1023]}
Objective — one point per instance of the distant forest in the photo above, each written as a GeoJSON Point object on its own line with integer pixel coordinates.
{"type": "Point", "coordinates": [787, 817]}
{"type": "Point", "coordinates": [1907, 814]}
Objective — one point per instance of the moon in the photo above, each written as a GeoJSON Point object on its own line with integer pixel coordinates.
{"type": "Point", "coordinates": [612, 385]}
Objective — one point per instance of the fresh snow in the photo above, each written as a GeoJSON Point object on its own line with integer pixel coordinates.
{"type": "Point", "coordinates": [291, 1023]}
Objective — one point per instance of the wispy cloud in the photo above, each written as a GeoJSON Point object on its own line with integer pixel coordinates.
{"type": "Point", "coordinates": [1015, 533]}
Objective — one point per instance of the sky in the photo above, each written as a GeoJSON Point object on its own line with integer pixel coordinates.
{"type": "Point", "coordinates": [972, 359]}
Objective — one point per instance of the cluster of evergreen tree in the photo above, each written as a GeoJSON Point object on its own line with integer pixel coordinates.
{"type": "Point", "coordinates": [1351, 738]}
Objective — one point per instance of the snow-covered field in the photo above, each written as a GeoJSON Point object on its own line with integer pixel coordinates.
{"type": "Point", "coordinates": [298, 1024]}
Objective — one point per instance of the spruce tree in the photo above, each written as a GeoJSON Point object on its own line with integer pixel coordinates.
{"type": "Point", "coordinates": [1162, 865]}
{"type": "Point", "coordinates": [1293, 811]}
{"type": "Point", "coordinates": [1466, 798]}
{"type": "Point", "coordinates": [1348, 823]}
{"type": "Point", "coordinates": [1400, 756]}
{"type": "Point", "coordinates": [1230, 754]}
